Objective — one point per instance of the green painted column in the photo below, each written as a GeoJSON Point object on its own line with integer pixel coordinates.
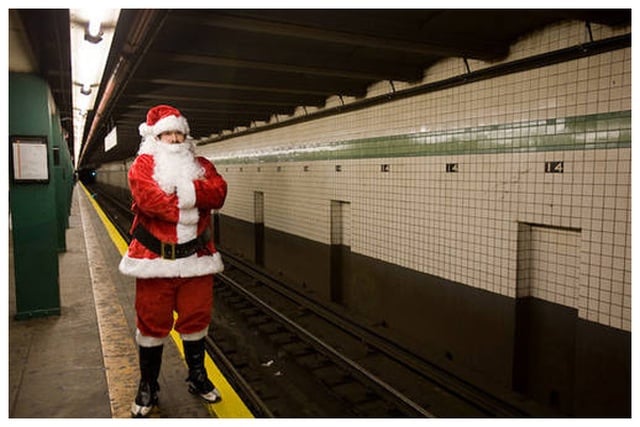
{"type": "Point", "coordinates": [60, 180]}
{"type": "Point", "coordinates": [32, 202]}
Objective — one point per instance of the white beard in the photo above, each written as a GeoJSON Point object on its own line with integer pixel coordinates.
{"type": "Point", "coordinates": [175, 165]}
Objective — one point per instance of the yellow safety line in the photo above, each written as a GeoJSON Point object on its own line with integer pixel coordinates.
{"type": "Point", "coordinates": [116, 238]}
{"type": "Point", "coordinates": [231, 406]}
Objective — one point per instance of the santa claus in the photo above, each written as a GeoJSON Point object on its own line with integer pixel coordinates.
{"type": "Point", "coordinates": [171, 253]}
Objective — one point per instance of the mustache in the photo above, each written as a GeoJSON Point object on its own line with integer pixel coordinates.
{"type": "Point", "coordinates": [178, 147]}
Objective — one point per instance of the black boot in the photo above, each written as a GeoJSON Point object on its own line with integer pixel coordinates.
{"type": "Point", "coordinates": [147, 397]}
{"type": "Point", "coordinates": [198, 381]}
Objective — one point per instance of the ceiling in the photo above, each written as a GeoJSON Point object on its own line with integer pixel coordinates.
{"type": "Point", "coordinates": [47, 49]}
{"type": "Point", "coordinates": [226, 69]}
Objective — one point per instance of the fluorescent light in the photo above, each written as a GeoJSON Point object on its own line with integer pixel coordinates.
{"type": "Point", "coordinates": [94, 28]}
{"type": "Point", "coordinates": [91, 35]}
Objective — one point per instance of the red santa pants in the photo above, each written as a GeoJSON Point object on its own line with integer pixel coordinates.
{"type": "Point", "coordinates": [158, 298]}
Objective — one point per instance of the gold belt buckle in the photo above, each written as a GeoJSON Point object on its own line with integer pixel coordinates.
{"type": "Point", "coordinates": [173, 250]}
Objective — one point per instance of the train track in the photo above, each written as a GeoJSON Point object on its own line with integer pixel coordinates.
{"type": "Point", "coordinates": [289, 356]}
{"type": "Point", "coordinates": [335, 384]}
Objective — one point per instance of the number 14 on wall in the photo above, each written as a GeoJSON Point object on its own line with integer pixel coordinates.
{"type": "Point", "coordinates": [554, 167]}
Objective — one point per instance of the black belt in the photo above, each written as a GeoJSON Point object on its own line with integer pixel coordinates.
{"type": "Point", "coordinates": [169, 250]}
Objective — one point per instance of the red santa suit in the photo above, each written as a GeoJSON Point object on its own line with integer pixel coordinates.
{"type": "Point", "coordinates": [173, 193]}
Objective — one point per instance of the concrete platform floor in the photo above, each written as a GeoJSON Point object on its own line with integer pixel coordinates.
{"type": "Point", "coordinates": [58, 366]}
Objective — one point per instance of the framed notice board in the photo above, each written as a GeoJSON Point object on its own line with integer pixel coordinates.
{"type": "Point", "coordinates": [30, 159]}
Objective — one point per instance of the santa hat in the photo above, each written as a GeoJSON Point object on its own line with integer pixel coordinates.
{"type": "Point", "coordinates": [163, 118]}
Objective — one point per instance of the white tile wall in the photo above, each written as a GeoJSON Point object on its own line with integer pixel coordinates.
{"type": "Point", "coordinates": [464, 226]}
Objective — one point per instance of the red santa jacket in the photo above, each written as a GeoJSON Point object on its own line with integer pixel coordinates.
{"type": "Point", "coordinates": [175, 213]}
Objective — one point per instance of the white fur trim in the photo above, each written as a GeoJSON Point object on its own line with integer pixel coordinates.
{"type": "Point", "coordinates": [192, 266]}
{"type": "Point", "coordinates": [187, 227]}
{"type": "Point", "coordinates": [165, 124]}
{"type": "Point", "coordinates": [186, 232]}
{"type": "Point", "coordinates": [144, 130]}
{"type": "Point", "coordinates": [195, 336]}
{"type": "Point", "coordinates": [146, 341]}
{"type": "Point", "coordinates": [189, 216]}
{"type": "Point", "coordinates": [186, 192]}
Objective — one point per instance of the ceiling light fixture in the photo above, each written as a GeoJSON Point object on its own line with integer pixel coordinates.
{"type": "Point", "coordinates": [91, 35]}
{"type": "Point", "coordinates": [93, 39]}
{"type": "Point", "coordinates": [85, 90]}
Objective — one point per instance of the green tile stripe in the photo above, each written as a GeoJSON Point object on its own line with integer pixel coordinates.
{"type": "Point", "coordinates": [596, 131]}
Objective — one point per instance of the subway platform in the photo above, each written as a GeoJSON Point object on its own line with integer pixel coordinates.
{"type": "Point", "coordinates": [83, 363]}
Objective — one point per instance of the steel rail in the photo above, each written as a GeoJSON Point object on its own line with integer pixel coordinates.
{"type": "Point", "coordinates": [329, 351]}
